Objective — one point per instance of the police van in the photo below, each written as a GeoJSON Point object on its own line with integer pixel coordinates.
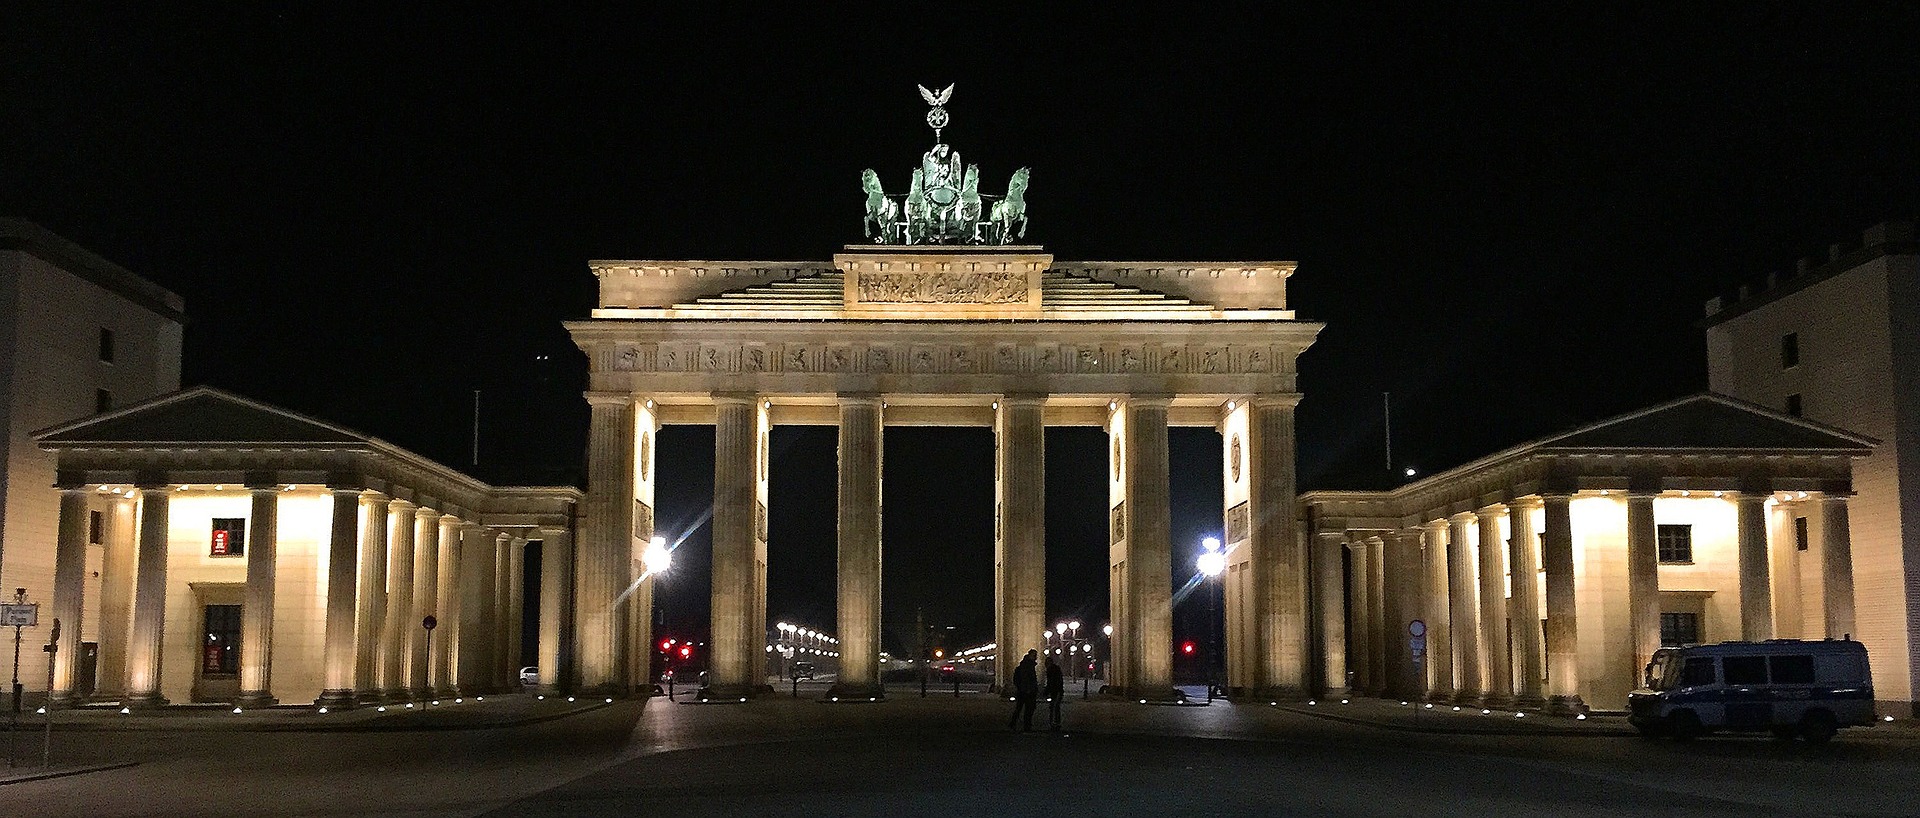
{"type": "Point", "coordinates": [1790, 687]}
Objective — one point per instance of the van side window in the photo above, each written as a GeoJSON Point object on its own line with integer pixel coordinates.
{"type": "Point", "coordinates": [1698, 671]}
{"type": "Point", "coordinates": [1745, 670]}
{"type": "Point", "coordinates": [1791, 670]}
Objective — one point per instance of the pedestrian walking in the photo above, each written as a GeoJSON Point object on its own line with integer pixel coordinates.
{"type": "Point", "coordinates": [1026, 688]}
{"type": "Point", "coordinates": [1056, 692]}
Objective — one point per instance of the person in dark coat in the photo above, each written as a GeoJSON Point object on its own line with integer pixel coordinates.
{"type": "Point", "coordinates": [1056, 691]}
{"type": "Point", "coordinates": [1026, 688]}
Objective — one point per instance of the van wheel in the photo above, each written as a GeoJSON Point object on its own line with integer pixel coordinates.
{"type": "Point", "coordinates": [1818, 727]}
{"type": "Point", "coordinates": [1686, 725]}
{"type": "Point", "coordinates": [1786, 733]}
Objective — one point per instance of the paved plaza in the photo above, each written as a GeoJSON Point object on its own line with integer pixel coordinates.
{"type": "Point", "coordinates": [516, 755]}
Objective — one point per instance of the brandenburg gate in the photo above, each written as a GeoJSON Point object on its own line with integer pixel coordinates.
{"type": "Point", "coordinates": [943, 320]}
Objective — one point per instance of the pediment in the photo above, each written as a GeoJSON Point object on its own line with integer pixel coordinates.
{"type": "Point", "coordinates": [1710, 422]}
{"type": "Point", "coordinates": [201, 415]}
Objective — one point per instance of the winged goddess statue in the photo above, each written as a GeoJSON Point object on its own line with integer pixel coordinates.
{"type": "Point", "coordinates": [936, 118]}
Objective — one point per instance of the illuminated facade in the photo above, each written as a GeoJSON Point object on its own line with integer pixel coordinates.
{"type": "Point", "coordinates": [1836, 342]}
{"type": "Point", "coordinates": [1701, 520]}
{"type": "Point", "coordinates": [230, 551]}
{"type": "Point", "coordinates": [78, 335]}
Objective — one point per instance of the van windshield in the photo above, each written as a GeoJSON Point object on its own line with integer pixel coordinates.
{"type": "Point", "coordinates": [1672, 669]}
{"type": "Point", "coordinates": [1665, 673]}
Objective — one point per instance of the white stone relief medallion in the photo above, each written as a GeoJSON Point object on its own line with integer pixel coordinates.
{"type": "Point", "coordinates": [1116, 460]}
{"type": "Point", "coordinates": [1233, 455]}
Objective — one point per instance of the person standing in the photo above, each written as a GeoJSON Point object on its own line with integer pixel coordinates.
{"type": "Point", "coordinates": [1025, 689]}
{"type": "Point", "coordinates": [1056, 692]}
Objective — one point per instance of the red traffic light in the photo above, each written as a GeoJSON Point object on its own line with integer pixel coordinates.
{"type": "Point", "coordinates": [1187, 648]}
{"type": "Point", "coordinates": [686, 651]}
{"type": "Point", "coordinates": [666, 645]}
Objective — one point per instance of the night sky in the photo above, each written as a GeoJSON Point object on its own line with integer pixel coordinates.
{"type": "Point", "coordinates": [1508, 219]}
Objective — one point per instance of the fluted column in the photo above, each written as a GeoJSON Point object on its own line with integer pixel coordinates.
{"type": "Point", "coordinates": [859, 546]}
{"type": "Point", "coordinates": [343, 552]}
{"type": "Point", "coordinates": [1329, 572]}
{"type": "Point", "coordinates": [1279, 560]}
{"type": "Point", "coordinates": [516, 604]}
{"type": "Point", "coordinates": [1149, 526]}
{"type": "Point", "coordinates": [372, 613]}
{"type": "Point", "coordinates": [1464, 595]}
{"type": "Point", "coordinates": [446, 605]}
{"type": "Point", "coordinates": [1493, 610]}
{"type": "Point", "coordinates": [1563, 631]}
{"type": "Point", "coordinates": [1836, 566]}
{"type": "Point", "coordinates": [426, 584]}
{"type": "Point", "coordinates": [473, 652]}
{"type": "Point", "coordinates": [1360, 634]}
{"type": "Point", "coordinates": [737, 517]}
{"type": "Point", "coordinates": [256, 615]}
{"type": "Point", "coordinates": [398, 626]}
{"type": "Point", "coordinates": [601, 560]}
{"type": "Point", "coordinates": [1529, 652]}
{"type": "Point", "coordinates": [69, 589]}
{"type": "Point", "coordinates": [116, 599]}
{"type": "Point", "coordinates": [1405, 577]}
{"type": "Point", "coordinates": [149, 601]}
{"type": "Point", "coordinates": [1437, 608]}
{"type": "Point", "coordinates": [556, 560]}
{"type": "Point", "coordinates": [1643, 583]}
{"type": "Point", "coordinates": [503, 634]}
{"type": "Point", "coordinates": [1020, 483]}
{"type": "Point", "coordinates": [1756, 590]}
{"type": "Point", "coordinates": [1379, 636]}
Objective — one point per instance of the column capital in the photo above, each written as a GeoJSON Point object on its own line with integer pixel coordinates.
{"type": "Point", "coordinates": [1275, 400]}
{"type": "Point", "coordinates": [1150, 399]}
{"type": "Point", "coordinates": [1024, 398]}
{"type": "Point", "coordinates": [346, 491]}
{"type": "Point", "coordinates": [734, 398]}
{"type": "Point", "coordinates": [1463, 517]}
{"type": "Point", "coordinates": [426, 513]}
{"type": "Point", "coordinates": [845, 398]}
{"type": "Point", "coordinates": [1527, 503]}
{"type": "Point", "coordinates": [397, 504]}
{"type": "Point", "coordinates": [1835, 496]}
{"type": "Point", "coordinates": [609, 398]}
{"type": "Point", "coordinates": [1331, 536]}
{"type": "Point", "coordinates": [1494, 511]}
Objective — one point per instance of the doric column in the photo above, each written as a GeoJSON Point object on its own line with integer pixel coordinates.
{"type": "Point", "coordinates": [1405, 593]}
{"type": "Point", "coordinates": [1563, 631]}
{"type": "Point", "coordinates": [1643, 583]}
{"type": "Point", "coordinates": [116, 598]}
{"type": "Point", "coordinates": [556, 560]}
{"type": "Point", "coordinates": [1378, 634]}
{"type": "Point", "coordinates": [1360, 633]}
{"type": "Point", "coordinates": [256, 615]}
{"type": "Point", "coordinates": [859, 546]}
{"type": "Point", "coordinates": [149, 601]}
{"type": "Point", "coordinates": [1278, 561]}
{"type": "Point", "coordinates": [446, 605]}
{"type": "Point", "coordinates": [1330, 619]}
{"type": "Point", "coordinates": [516, 570]}
{"type": "Point", "coordinates": [1147, 512]}
{"type": "Point", "coordinates": [473, 651]}
{"type": "Point", "coordinates": [1836, 566]}
{"type": "Point", "coordinates": [69, 589]}
{"type": "Point", "coordinates": [372, 615]}
{"type": "Point", "coordinates": [1470, 683]}
{"type": "Point", "coordinates": [739, 518]}
{"type": "Point", "coordinates": [1524, 559]}
{"type": "Point", "coordinates": [1020, 496]}
{"type": "Point", "coordinates": [601, 560]}
{"type": "Point", "coordinates": [426, 585]}
{"type": "Point", "coordinates": [1437, 609]}
{"type": "Point", "coordinates": [1756, 595]}
{"type": "Point", "coordinates": [343, 551]}
{"type": "Point", "coordinates": [398, 626]}
{"type": "Point", "coordinates": [503, 634]}
{"type": "Point", "coordinates": [1493, 609]}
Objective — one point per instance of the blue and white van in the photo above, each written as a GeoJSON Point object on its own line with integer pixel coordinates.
{"type": "Point", "coordinates": [1790, 687]}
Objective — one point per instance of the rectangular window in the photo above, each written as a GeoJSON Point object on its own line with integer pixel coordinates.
{"type": "Point", "coordinates": [1789, 350]}
{"type": "Point", "coordinates": [1791, 670]}
{"type": "Point", "coordinates": [106, 345]}
{"type": "Point", "coordinates": [1800, 533]}
{"type": "Point", "coordinates": [1676, 544]}
{"type": "Point", "coordinates": [1793, 404]}
{"type": "Point", "coordinates": [1744, 670]}
{"type": "Point", "coordinates": [1678, 629]}
{"type": "Point", "coordinates": [220, 646]}
{"type": "Point", "coordinates": [102, 401]}
{"type": "Point", "coordinates": [95, 524]}
{"type": "Point", "coordinates": [229, 537]}
{"type": "Point", "coordinates": [1698, 671]}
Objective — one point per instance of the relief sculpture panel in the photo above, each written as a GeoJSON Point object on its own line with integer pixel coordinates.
{"type": "Point", "coordinates": [943, 288]}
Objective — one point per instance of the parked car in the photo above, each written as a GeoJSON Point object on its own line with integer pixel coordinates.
{"type": "Point", "coordinates": [529, 676]}
{"type": "Point", "coordinates": [1790, 687]}
{"type": "Point", "coordinates": [800, 670]}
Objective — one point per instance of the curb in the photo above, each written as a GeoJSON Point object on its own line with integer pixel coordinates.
{"type": "Point", "coordinates": [63, 772]}
{"type": "Point", "coordinates": [371, 725]}
{"type": "Point", "coordinates": [1598, 732]}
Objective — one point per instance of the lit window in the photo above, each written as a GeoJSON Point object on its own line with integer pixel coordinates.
{"type": "Point", "coordinates": [1676, 544]}
{"type": "Point", "coordinates": [1789, 350]}
{"type": "Point", "coordinates": [1793, 404]}
{"type": "Point", "coordinates": [229, 537]}
{"type": "Point", "coordinates": [106, 345]}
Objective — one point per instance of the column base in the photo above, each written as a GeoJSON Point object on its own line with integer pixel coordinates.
{"type": "Point", "coordinates": [1466, 698]}
{"type": "Point", "coordinates": [337, 699]}
{"type": "Point", "coordinates": [397, 695]}
{"type": "Point", "coordinates": [1440, 696]}
{"type": "Point", "coordinates": [144, 701]}
{"type": "Point", "coordinates": [851, 691]}
{"type": "Point", "coordinates": [1565, 705]}
{"type": "Point", "coordinates": [1496, 701]}
{"type": "Point", "coordinates": [255, 698]}
{"type": "Point", "coordinates": [62, 701]}
{"type": "Point", "coordinates": [1529, 702]}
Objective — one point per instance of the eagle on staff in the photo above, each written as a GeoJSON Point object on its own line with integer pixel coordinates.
{"type": "Point", "coordinates": [944, 205]}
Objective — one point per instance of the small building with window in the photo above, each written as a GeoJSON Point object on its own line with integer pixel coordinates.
{"type": "Point", "coordinates": [1546, 575]}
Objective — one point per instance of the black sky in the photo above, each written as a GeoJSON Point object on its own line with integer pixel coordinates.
{"type": "Point", "coordinates": [1508, 217]}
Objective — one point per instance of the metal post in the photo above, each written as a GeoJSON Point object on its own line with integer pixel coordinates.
{"type": "Point", "coordinates": [13, 724]}
{"type": "Point", "coordinates": [53, 647]}
{"type": "Point", "coordinates": [1213, 634]}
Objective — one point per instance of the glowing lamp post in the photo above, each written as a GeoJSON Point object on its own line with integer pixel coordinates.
{"type": "Point", "coordinates": [1211, 563]}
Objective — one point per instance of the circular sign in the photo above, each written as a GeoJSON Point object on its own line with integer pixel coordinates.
{"type": "Point", "coordinates": [429, 622]}
{"type": "Point", "coordinates": [1417, 628]}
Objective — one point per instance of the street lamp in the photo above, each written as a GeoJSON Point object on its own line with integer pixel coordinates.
{"type": "Point", "coordinates": [657, 559]}
{"type": "Point", "coordinates": [1212, 563]}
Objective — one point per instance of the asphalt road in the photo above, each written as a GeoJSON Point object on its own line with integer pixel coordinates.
{"type": "Point", "coordinates": [786, 757]}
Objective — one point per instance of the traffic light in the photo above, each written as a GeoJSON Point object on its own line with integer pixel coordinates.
{"type": "Point", "coordinates": [1187, 647]}
{"type": "Point", "coordinates": [686, 652]}
{"type": "Point", "coordinates": [666, 645]}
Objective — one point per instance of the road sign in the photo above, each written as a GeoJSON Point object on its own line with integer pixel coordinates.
{"type": "Point", "coordinates": [21, 615]}
{"type": "Point", "coordinates": [429, 622]}
{"type": "Point", "coordinates": [1416, 628]}
{"type": "Point", "coordinates": [1417, 640]}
